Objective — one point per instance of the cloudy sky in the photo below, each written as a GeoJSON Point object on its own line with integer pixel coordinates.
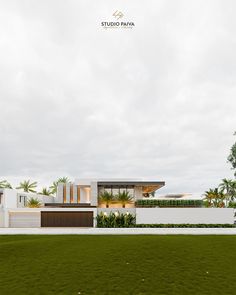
{"type": "Point", "coordinates": [156, 101]}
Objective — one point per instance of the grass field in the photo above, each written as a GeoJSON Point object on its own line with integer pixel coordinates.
{"type": "Point", "coordinates": [117, 265]}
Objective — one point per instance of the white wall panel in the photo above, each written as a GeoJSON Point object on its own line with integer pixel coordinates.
{"type": "Point", "coordinates": [1, 218]}
{"type": "Point", "coordinates": [184, 215]}
{"type": "Point", "coordinates": [24, 219]}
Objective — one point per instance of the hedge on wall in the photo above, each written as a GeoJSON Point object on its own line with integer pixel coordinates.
{"type": "Point", "coordinates": [186, 225]}
{"type": "Point", "coordinates": [232, 204]}
{"type": "Point", "coordinates": [168, 203]}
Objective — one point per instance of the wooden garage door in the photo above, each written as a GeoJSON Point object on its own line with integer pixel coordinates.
{"type": "Point", "coordinates": [66, 219]}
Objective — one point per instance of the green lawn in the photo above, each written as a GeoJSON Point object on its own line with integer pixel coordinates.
{"type": "Point", "coordinates": [117, 265]}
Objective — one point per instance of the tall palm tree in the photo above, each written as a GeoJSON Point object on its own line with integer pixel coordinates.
{"type": "Point", "coordinates": [106, 198]}
{"type": "Point", "coordinates": [46, 192]}
{"type": "Point", "coordinates": [55, 183]}
{"type": "Point", "coordinates": [124, 198]}
{"type": "Point", "coordinates": [233, 190]}
{"type": "Point", "coordinates": [226, 187]}
{"type": "Point", "coordinates": [5, 184]}
{"type": "Point", "coordinates": [28, 187]}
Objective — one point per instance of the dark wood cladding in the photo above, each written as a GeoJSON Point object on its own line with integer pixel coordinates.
{"type": "Point", "coordinates": [66, 219]}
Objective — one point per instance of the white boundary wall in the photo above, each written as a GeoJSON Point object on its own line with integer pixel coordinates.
{"type": "Point", "coordinates": [120, 210]}
{"type": "Point", "coordinates": [25, 219]}
{"type": "Point", "coordinates": [184, 215]}
{"type": "Point", "coordinates": [2, 216]}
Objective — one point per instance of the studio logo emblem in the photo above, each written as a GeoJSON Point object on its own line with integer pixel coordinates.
{"type": "Point", "coordinates": [117, 24]}
{"type": "Point", "coordinates": [118, 14]}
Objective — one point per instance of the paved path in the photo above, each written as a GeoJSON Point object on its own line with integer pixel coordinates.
{"type": "Point", "coordinates": [117, 231]}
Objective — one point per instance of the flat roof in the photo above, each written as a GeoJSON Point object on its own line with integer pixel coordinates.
{"type": "Point", "coordinates": [149, 185]}
{"type": "Point", "coordinates": [112, 182]}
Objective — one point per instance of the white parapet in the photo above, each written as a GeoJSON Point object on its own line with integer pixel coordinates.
{"type": "Point", "coordinates": [184, 215]}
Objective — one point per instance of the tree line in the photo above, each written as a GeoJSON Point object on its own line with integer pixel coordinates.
{"type": "Point", "coordinates": [31, 187]}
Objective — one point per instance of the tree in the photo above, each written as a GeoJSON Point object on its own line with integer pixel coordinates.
{"type": "Point", "coordinates": [209, 197]}
{"type": "Point", "coordinates": [28, 187]}
{"type": "Point", "coordinates": [233, 190]}
{"type": "Point", "coordinates": [54, 185]}
{"type": "Point", "coordinates": [46, 192]}
{"type": "Point", "coordinates": [33, 203]}
{"type": "Point", "coordinates": [5, 184]}
{"type": "Point", "coordinates": [215, 198]}
{"type": "Point", "coordinates": [232, 157]}
{"type": "Point", "coordinates": [106, 198]}
{"type": "Point", "coordinates": [227, 187]}
{"type": "Point", "coordinates": [124, 198]}
{"type": "Point", "coordinates": [219, 199]}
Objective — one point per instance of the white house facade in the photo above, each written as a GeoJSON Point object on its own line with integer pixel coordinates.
{"type": "Point", "coordinates": [77, 205]}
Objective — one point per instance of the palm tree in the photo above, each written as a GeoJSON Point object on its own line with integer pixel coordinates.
{"type": "Point", "coordinates": [220, 197]}
{"type": "Point", "coordinates": [217, 197]}
{"type": "Point", "coordinates": [124, 198]}
{"type": "Point", "coordinates": [233, 190]}
{"type": "Point", "coordinates": [226, 187]}
{"type": "Point", "coordinates": [33, 203]}
{"type": "Point", "coordinates": [5, 184]}
{"type": "Point", "coordinates": [209, 197]}
{"type": "Point", "coordinates": [106, 198]}
{"type": "Point", "coordinates": [46, 192]}
{"type": "Point", "coordinates": [27, 186]}
{"type": "Point", "coordinates": [55, 183]}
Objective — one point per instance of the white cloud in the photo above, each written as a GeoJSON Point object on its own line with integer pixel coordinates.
{"type": "Point", "coordinates": [157, 101]}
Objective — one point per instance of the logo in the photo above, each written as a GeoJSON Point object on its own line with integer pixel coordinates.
{"type": "Point", "coordinates": [118, 14]}
{"type": "Point", "coordinates": [117, 24]}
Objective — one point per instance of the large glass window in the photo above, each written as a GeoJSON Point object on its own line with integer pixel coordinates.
{"type": "Point", "coordinates": [116, 190]}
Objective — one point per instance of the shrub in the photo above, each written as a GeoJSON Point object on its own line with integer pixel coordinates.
{"type": "Point", "coordinates": [186, 225]}
{"type": "Point", "coordinates": [116, 219]}
{"type": "Point", "coordinates": [169, 203]}
{"type": "Point", "coordinates": [33, 203]}
{"type": "Point", "coordinates": [232, 204]}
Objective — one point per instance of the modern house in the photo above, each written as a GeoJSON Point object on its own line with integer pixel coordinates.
{"type": "Point", "coordinates": [85, 192]}
{"type": "Point", "coordinates": [77, 205]}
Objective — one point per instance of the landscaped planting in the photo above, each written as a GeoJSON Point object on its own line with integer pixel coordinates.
{"type": "Point", "coordinates": [168, 203]}
{"type": "Point", "coordinates": [115, 220]}
{"type": "Point", "coordinates": [232, 204]}
{"type": "Point", "coordinates": [186, 225]}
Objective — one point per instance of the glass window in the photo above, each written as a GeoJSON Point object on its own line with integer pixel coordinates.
{"type": "Point", "coordinates": [23, 199]}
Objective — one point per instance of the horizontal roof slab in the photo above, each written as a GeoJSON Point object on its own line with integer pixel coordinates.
{"type": "Point", "coordinates": [156, 184]}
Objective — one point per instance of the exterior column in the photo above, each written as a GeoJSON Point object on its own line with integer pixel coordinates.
{"type": "Point", "coordinates": [67, 192]}
{"type": "Point", "coordinates": [59, 196]}
{"type": "Point", "coordinates": [74, 194]}
{"type": "Point", "coordinates": [94, 194]}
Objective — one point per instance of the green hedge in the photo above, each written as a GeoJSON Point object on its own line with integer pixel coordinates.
{"type": "Point", "coordinates": [168, 203]}
{"type": "Point", "coordinates": [115, 220]}
{"type": "Point", "coordinates": [232, 204]}
{"type": "Point", "coordinates": [200, 225]}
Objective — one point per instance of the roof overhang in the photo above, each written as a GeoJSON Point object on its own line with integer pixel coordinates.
{"type": "Point", "coordinates": [147, 186]}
